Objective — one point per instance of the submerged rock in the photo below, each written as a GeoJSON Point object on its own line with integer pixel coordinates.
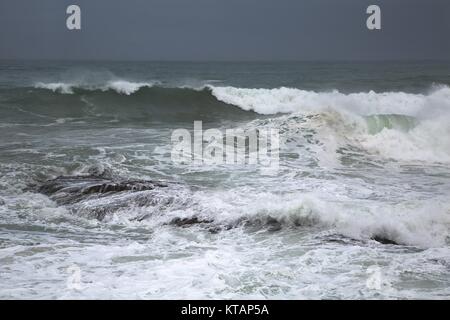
{"type": "Point", "coordinates": [98, 195]}
{"type": "Point", "coordinates": [384, 240]}
{"type": "Point", "coordinates": [71, 189]}
{"type": "Point", "coordinates": [184, 222]}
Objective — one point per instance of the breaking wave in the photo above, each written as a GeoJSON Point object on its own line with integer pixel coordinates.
{"type": "Point", "coordinates": [283, 100]}
{"type": "Point", "coordinates": [288, 100]}
{"type": "Point", "coordinates": [416, 223]}
{"type": "Point", "coordinates": [119, 86]}
{"type": "Point", "coordinates": [395, 125]}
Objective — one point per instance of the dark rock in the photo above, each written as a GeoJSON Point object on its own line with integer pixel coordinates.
{"type": "Point", "coordinates": [219, 228]}
{"type": "Point", "coordinates": [97, 196]}
{"type": "Point", "coordinates": [72, 189]}
{"type": "Point", "coordinates": [384, 240]}
{"type": "Point", "coordinates": [183, 222]}
{"type": "Point", "coordinates": [273, 224]}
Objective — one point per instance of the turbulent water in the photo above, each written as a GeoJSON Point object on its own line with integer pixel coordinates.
{"type": "Point", "coordinates": [359, 207]}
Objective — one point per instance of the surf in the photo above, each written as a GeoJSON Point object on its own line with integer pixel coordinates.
{"type": "Point", "coordinates": [393, 125]}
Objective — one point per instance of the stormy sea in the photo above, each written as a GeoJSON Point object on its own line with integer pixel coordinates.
{"type": "Point", "coordinates": [92, 204]}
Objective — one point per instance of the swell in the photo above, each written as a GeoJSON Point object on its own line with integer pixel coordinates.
{"type": "Point", "coordinates": [145, 103]}
{"type": "Point", "coordinates": [262, 101]}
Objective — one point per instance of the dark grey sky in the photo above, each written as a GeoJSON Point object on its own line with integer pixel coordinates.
{"type": "Point", "coordinates": [225, 30]}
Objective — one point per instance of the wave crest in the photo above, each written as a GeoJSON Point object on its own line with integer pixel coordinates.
{"type": "Point", "coordinates": [289, 100]}
{"type": "Point", "coordinates": [395, 125]}
{"type": "Point", "coordinates": [119, 86]}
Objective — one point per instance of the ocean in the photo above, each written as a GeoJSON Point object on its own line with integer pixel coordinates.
{"type": "Point", "coordinates": [358, 208]}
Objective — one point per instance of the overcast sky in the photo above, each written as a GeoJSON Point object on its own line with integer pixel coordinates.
{"type": "Point", "coordinates": [225, 30]}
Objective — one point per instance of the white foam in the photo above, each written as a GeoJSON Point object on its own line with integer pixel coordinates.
{"type": "Point", "coordinates": [287, 100]}
{"type": "Point", "coordinates": [126, 87]}
{"type": "Point", "coordinates": [419, 223]}
{"type": "Point", "coordinates": [119, 86]}
{"type": "Point", "coordinates": [60, 87]}
{"type": "Point", "coordinates": [337, 121]}
{"type": "Point", "coordinates": [428, 142]}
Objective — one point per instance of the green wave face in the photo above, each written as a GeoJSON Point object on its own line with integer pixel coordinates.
{"type": "Point", "coordinates": [376, 123]}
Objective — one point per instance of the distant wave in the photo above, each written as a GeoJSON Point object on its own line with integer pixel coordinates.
{"type": "Point", "coordinates": [120, 101]}
{"type": "Point", "coordinates": [120, 86]}
{"type": "Point", "coordinates": [281, 100]}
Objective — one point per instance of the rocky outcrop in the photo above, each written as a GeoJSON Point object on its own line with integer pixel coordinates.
{"type": "Point", "coordinates": [186, 222]}
{"type": "Point", "coordinates": [384, 240]}
{"type": "Point", "coordinates": [98, 195]}
{"type": "Point", "coordinates": [72, 189]}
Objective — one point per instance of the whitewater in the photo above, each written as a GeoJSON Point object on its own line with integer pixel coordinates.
{"type": "Point", "coordinates": [359, 208]}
